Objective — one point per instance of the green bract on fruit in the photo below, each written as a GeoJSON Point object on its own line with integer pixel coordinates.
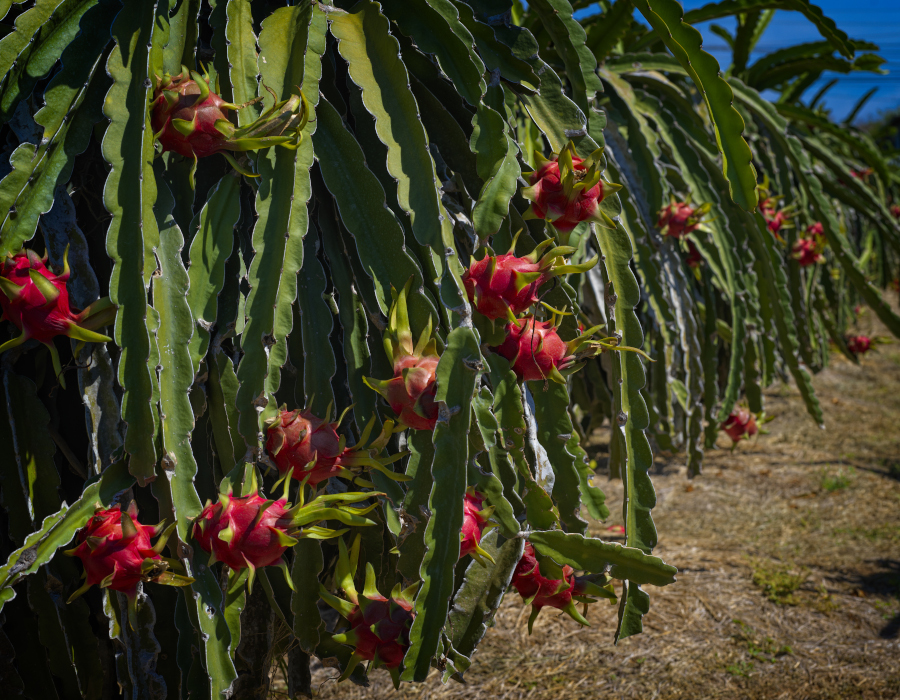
{"type": "Point", "coordinates": [36, 301]}
{"type": "Point", "coordinates": [411, 391]}
{"type": "Point", "coordinates": [377, 627]}
{"type": "Point", "coordinates": [190, 119]}
{"type": "Point", "coordinates": [567, 189]}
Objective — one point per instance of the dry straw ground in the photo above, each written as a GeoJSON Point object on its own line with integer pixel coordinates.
{"type": "Point", "coordinates": [789, 587]}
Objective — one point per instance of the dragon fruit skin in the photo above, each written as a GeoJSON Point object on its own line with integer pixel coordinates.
{"type": "Point", "coordinates": [740, 424]}
{"type": "Point", "coordinates": [475, 521]}
{"type": "Point", "coordinates": [694, 259]}
{"type": "Point", "coordinates": [233, 529]}
{"type": "Point", "coordinates": [567, 189]}
{"type": "Point", "coordinates": [378, 627]}
{"type": "Point", "coordinates": [859, 344]}
{"type": "Point", "coordinates": [806, 252]}
{"type": "Point", "coordinates": [411, 391]}
{"type": "Point", "coordinates": [542, 592]}
{"type": "Point", "coordinates": [501, 286]}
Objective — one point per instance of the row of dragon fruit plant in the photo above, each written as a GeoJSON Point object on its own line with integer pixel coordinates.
{"type": "Point", "coordinates": [367, 234]}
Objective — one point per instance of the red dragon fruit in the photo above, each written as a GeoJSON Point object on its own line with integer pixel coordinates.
{"type": "Point", "coordinates": [679, 219]}
{"type": "Point", "coordinates": [895, 211]}
{"type": "Point", "coordinates": [560, 593]}
{"type": "Point", "coordinates": [740, 425]}
{"type": "Point", "coordinates": [504, 286]}
{"type": "Point", "coordinates": [808, 249]}
{"type": "Point", "coordinates": [694, 259]}
{"type": "Point", "coordinates": [858, 344]}
{"type": "Point", "coordinates": [568, 189]}
{"type": "Point", "coordinates": [248, 532]}
{"type": "Point", "coordinates": [189, 118]}
{"type": "Point", "coordinates": [538, 353]}
{"type": "Point", "coordinates": [412, 389]}
{"type": "Point", "coordinates": [310, 448]}
{"type": "Point", "coordinates": [117, 552]}
{"type": "Point", "coordinates": [36, 301]}
{"type": "Point", "coordinates": [776, 219]}
{"type": "Point", "coordinates": [378, 627]}
{"type": "Point", "coordinates": [475, 524]}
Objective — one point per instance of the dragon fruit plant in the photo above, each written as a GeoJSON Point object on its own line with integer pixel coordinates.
{"type": "Point", "coordinates": [567, 189]}
{"type": "Point", "coordinates": [370, 151]}
{"type": "Point", "coordinates": [36, 301]}
{"type": "Point", "coordinates": [505, 286]}
{"type": "Point", "coordinates": [678, 219]}
{"type": "Point", "coordinates": [411, 391]}
{"type": "Point", "coordinates": [310, 449]}
{"type": "Point", "coordinates": [190, 119]}
{"type": "Point", "coordinates": [377, 627]}
{"type": "Point", "coordinates": [249, 532]}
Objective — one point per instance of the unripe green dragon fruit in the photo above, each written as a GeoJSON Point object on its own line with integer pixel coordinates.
{"type": "Point", "coordinates": [567, 189]}
{"type": "Point", "coordinates": [189, 118]}
{"type": "Point", "coordinates": [310, 449]}
{"type": "Point", "coordinates": [36, 301]}
{"type": "Point", "coordinates": [249, 532]}
{"type": "Point", "coordinates": [504, 286]}
{"type": "Point", "coordinates": [411, 391]}
{"type": "Point", "coordinates": [378, 627]}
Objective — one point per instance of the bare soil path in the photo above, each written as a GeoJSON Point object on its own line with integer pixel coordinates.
{"type": "Point", "coordinates": [789, 587]}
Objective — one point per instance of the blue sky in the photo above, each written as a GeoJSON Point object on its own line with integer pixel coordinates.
{"type": "Point", "coordinates": [877, 21]}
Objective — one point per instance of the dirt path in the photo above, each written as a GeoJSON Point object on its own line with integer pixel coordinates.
{"type": "Point", "coordinates": [789, 585]}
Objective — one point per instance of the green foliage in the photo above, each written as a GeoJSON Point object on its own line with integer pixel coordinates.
{"type": "Point", "coordinates": [272, 277]}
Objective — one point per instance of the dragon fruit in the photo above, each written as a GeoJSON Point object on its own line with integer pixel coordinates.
{"type": "Point", "coordinates": [858, 344]}
{"type": "Point", "coordinates": [538, 353]}
{"type": "Point", "coordinates": [117, 552]}
{"type": "Point", "coordinates": [567, 189]}
{"type": "Point", "coordinates": [808, 249]}
{"type": "Point", "coordinates": [310, 448]}
{"type": "Point", "coordinates": [36, 301]}
{"type": "Point", "coordinates": [895, 211]}
{"type": "Point", "coordinates": [694, 259]}
{"type": "Point", "coordinates": [679, 219]}
{"type": "Point", "coordinates": [475, 524]}
{"type": "Point", "coordinates": [560, 593]}
{"type": "Point", "coordinates": [411, 391]}
{"type": "Point", "coordinates": [740, 425]}
{"type": "Point", "coordinates": [249, 532]}
{"type": "Point", "coordinates": [776, 219]}
{"type": "Point", "coordinates": [378, 627]}
{"type": "Point", "coordinates": [189, 118]}
{"type": "Point", "coordinates": [504, 286]}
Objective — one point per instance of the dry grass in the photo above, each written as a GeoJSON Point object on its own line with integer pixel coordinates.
{"type": "Point", "coordinates": [789, 585]}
